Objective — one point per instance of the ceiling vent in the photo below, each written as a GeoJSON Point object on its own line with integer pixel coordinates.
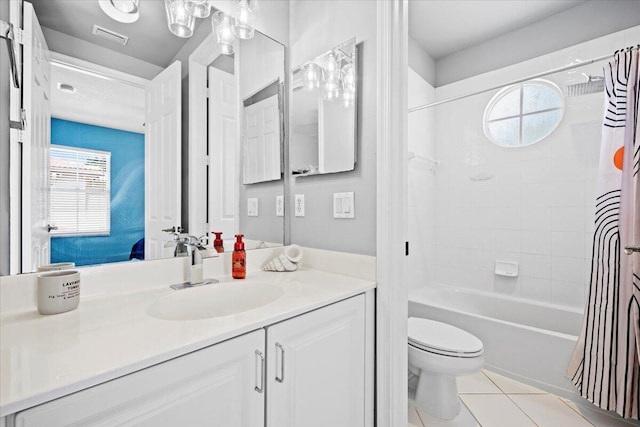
{"type": "Point", "coordinates": [110, 35]}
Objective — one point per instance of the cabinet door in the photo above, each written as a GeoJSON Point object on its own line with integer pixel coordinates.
{"type": "Point", "coordinates": [316, 368]}
{"type": "Point", "coordinates": [217, 386]}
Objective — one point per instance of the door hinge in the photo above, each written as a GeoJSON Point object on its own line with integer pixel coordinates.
{"type": "Point", "coordinates": [19, 124]}
{"type": "Point", "coordinates": [206, 92]}
{"type": "Point", "coordinates": [207, 160]}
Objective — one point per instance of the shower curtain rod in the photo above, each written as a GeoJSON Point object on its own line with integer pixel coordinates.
{"type": "Point", "coordinates": [513, 82]}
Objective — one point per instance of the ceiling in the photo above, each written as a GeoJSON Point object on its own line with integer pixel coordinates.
{"type": "Point", "coordinates": [149, 37]}
{"type": "Point", "coordinates": [443, 27]}
{"type": "Point", "coordinates": [97, 101]}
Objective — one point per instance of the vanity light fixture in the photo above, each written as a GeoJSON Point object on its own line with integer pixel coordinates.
{"type": "Point", "coordinates": [199, 8]}
{"type": "Point", "coordinates": [311, 76]}
{"type": "Point", "coordinates": [222, 32]}
{"type": "Point", "coordinates": [125, 11]}
{"type": "Point", "coordinates": [181, 22]}
{"type": "Point", "coordinates": [332, 78]}
{"type": "Point", "coordinates": [244, 22]}
{"type": "Point", "coordinates": [348, 84]}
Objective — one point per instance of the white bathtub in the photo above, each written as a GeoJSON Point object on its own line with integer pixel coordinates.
{"type": "Point", "coordinates": [525, 340]}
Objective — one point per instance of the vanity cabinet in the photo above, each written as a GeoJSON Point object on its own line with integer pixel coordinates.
{"type": "Point", "coordinates": [305, 371]}
{"type": "Point", "coordinates": [215, 386]}
{"type": "Point", "coordinates": [316, 368]}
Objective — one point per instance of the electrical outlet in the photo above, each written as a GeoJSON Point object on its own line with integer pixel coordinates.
{"type": "Point", "coordinates": [252, 206]}
{"type": "Point", "coordinates": [280, 205]}
{"type": "Point", "coordinates": [299, 205]}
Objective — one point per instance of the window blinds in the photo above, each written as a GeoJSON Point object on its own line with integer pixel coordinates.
{"type": "Point", "coordinates": [80, 191]}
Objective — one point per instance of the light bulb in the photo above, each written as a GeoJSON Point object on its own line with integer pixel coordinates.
{"type": "Point", "coordinates": [199, 8]}
{"type": "Point", "coordinates": [311, 77]}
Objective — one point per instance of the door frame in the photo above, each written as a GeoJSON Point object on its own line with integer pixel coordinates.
{"type": "Point", "coordinates": [391, 291]}
{"type": "Point", "coordinates": [197, 139]}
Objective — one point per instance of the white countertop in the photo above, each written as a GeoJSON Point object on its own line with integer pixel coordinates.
{"type": "Point", "coordinates": [47, 357]}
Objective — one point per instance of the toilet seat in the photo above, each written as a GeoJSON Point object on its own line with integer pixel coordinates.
{"type": "Point", "coordinates": [440, 338]}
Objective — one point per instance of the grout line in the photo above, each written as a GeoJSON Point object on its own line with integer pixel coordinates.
{"type": "Point", "coordinates": [522, 410]}
{"type": "Point", "coordinates": [415, 408]}
{"type": "Point", "coordinates": [493, 382]}
{"type": "Point", "coordinates": [470, 411]}
{"type": "Point", "coordinates": [575, 410]}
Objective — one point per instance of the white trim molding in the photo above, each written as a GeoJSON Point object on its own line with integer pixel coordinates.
{"type": "Point", "coordinates": [391, 312]}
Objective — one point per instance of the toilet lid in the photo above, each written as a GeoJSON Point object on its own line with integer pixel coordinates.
{"type": "Point", "coordinates": [440, 338]}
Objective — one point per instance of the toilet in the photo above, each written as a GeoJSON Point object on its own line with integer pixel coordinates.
{"type": "Point", "coordinates": [438, 353]}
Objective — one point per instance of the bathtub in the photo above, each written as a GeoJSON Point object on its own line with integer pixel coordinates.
{"type": "Point", "coordinates": [526, 340]}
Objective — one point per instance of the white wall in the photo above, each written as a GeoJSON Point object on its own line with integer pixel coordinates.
{"type": "Point", "coordinates": [317, 26]}
{"type": "Point", "coordinates": [538, 207]}
{"type": "Point", "coordinates": [421, 191]}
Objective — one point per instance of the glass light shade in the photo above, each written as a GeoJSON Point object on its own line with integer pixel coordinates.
{"type": "Point", "coordinates": [311, 76]}
{"type": "Point", "coordinates": [222, 33]}
{"type": "Point", "coordinates": [181, 22]}
{"type": "Point", "coordinates": [199, 8]}
{"type": "Point", "coordinates": [332, 88]}
{"type": "Point", "coordinates": [349, 77]}
{"type": "Point", "coordinates": [244, 21]}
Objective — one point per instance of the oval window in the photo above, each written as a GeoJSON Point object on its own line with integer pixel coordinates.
{"type": "Point", "coordinates": [523, 114]}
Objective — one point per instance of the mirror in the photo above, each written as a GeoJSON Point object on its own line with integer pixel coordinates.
{"type": "Point", "coordinates": [119, 67]}
{"type": "Point", "coordinates": [323, 113]}
{"type": "Point", "coordinates": [261, 83]}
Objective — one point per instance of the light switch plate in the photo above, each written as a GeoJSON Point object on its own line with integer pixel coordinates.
{"type": "Point", "coordinates": [299, 205]}
{"type": "Point", "coordinates": [343, 205]}
{"type": "Point", "coordinates": [252, 206]}
{"type": "Point", "coordinates": [280, 205]}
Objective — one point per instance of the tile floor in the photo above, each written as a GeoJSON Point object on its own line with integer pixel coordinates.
{"type": "Point", "coordinates": [492, 400]}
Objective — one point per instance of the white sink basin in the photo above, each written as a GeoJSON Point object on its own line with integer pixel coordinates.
{"type": "Point", "coordinates": [211, 301]}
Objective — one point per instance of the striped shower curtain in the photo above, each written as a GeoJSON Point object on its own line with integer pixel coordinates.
{"type": "Point", "coordinates": [605, 366]}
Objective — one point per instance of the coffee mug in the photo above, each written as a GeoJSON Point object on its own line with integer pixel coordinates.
{"type": "Point", "coordinates": [58, 291]}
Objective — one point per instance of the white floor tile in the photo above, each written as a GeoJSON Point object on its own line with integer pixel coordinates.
{"type": "Point", "coordinates": [598, 418]}
{"type": "Point", "coordinates": [414, 419]}
{"type": "Point", "coordinates": [547, 410]}
{"type": "Point", "coordinates": [476, 383]}
{"type": "Point", "coordinates": [464, 419]}
{"type": "Point", "coordinates": [510, 386]}
{"type": "Point", "coordinates": [495, 410]}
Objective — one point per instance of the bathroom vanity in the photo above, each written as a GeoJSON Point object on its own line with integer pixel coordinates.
{"type": "Point", "coordinates": [303, 357]}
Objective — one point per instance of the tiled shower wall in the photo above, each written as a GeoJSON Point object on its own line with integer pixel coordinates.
{"type": "Point", "coordinates": [532, 205]}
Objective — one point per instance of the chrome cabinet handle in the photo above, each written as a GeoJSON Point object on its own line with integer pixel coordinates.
{"type": "Point", "coordinates": [259, 368]}
{"type": "Point", "coordinates": [280, 378]}
{"type": "Point", "coordinates": [631, 249]}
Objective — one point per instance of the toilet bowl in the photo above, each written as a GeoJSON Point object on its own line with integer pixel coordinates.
{"type": "Point", "coordinates": [438, 353]}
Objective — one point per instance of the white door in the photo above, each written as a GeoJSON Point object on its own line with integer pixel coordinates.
{"type": "Point", "coordinates": [162, 154]}
{"type": "Point", "coordinates": [316, 368]}
{"type": "Point", "coordinates": [223, 146]}
{"type": "Point", "coordinates": [261, 141]}
{"type": "Point", "coordinates": [35, 148]}
{"type": "Point", "coordinates": [219, 386]}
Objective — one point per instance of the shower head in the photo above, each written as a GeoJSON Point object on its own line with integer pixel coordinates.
{"type": "Point", "coordinates": [594, 84]}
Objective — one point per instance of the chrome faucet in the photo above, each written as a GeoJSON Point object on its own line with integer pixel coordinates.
{"type": "Point", "coordinates": [194, 248]}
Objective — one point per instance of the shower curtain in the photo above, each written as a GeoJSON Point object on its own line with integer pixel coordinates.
{"type": "Point", "coordinates": [605, 366]}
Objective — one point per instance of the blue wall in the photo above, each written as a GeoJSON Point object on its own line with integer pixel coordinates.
{"type": "Point", "coordinates": [127, 193]}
